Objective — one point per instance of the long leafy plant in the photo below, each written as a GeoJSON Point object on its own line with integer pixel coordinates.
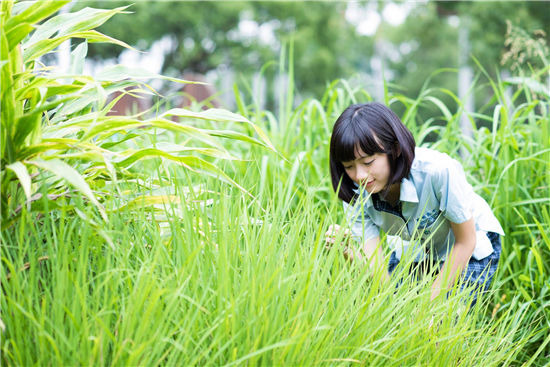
{"type": "Point", "coordinates": [58, 141]}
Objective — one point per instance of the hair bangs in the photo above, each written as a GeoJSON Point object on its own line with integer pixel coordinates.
{"type": "Point", "coordinates": [345, 143]}
{"type": "Point", "coordinates": [367, 140]}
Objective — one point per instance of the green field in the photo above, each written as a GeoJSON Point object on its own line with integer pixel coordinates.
{"type": "Point", "coordinates": [141, 240]}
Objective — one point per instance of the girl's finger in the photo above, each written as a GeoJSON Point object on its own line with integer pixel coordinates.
{"type": "Point", "coordinates": [334, 227]}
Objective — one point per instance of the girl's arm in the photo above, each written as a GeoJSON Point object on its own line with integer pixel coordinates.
{"type": "Point", "coordinates": [370, 253]}
{"type": "Point", "coordinates": [465, 242]}
{"type": "Point", "coordinates": [375, 257]}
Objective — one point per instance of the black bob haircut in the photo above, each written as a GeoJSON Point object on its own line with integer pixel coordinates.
{"type": "Point", "coordinates": [374, 128]}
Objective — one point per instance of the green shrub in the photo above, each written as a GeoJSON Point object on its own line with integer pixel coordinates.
{"type": "Point", "coordinates": [58, 141]}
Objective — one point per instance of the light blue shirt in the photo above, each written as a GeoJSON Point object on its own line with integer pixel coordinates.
{"type": "Point", "coordinates": [434, 194]}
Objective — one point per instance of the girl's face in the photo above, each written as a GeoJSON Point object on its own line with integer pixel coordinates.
{"type": "Point", "coordinates": [371, 172]}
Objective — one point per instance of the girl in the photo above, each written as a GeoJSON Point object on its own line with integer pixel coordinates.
{"type": "Point", "coordinates": [412, 193]}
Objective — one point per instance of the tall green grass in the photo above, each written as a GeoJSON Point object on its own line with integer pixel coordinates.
{"type": "Point", "coordinates": [196, 273]}
{"type": "Point", "coordinates": [225, 284]}
{"type": "Point", "coordinates": [507, 161]}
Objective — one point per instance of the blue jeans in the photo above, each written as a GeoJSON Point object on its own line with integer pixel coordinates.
{"type": "Point", "coordinates": [479, 273]}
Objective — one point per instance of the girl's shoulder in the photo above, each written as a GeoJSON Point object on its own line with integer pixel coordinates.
{"type": "Point", "coordinates": [432, 161]}
{"type": "Point", "coordinates": [442, 172]}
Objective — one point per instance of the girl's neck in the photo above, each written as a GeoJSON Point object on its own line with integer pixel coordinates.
{"type": "Point", "coordinates": [392, 195]}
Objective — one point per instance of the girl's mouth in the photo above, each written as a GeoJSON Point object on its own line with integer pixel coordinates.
{"type": "Point", "coordinates": [370, 183]}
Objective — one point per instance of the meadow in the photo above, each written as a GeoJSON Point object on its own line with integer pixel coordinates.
{"type": "Point", "coordinates": [192, 237]}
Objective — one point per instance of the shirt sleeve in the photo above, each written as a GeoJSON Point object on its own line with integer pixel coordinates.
{"type": "Point", "coordinates": [361, 225]}
{"type": "Point", "coordinates": [454, 193]}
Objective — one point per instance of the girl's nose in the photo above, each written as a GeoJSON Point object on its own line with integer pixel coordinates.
{"type": "Point", "coordinates": [362, 174]}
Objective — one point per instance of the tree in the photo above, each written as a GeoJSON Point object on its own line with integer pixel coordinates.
{"type": "Point", "coordinates": [431, 33]}
{"type": "Point", "coordinates": [208, 34]}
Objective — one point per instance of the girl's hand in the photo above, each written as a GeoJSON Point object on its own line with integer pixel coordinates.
{"type": "Point", "coordinates": [334, 231]}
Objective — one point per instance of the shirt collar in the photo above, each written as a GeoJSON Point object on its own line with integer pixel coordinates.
{"type": "Point", "coordinates": [408, 191]}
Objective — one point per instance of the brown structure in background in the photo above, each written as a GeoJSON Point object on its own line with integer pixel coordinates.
{"type": "Point", "coordinates": [129, 104]}
{"type": "Point", "coordinates": [198, 93]}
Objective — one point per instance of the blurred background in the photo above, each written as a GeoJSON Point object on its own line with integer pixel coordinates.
{"type": "Point", "coordinates": [251, 44]}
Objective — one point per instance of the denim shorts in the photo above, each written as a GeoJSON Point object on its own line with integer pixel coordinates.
{"type": "Point", "coordinates": [478, 273]}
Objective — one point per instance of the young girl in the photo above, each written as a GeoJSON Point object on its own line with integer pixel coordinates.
{"type": "Point", "coordinates": [416, 194]}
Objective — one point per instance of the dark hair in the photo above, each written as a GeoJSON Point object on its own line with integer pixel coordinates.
{"type": "Point", "coordinates": [374, 128]}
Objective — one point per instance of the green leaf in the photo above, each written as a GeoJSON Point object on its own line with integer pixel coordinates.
{"type": "Point", "coordinates": [530, 83]}
{"type": "Point", "coordinates": [22, 174]}
{"type": "Point", "coordinates": [24, 126]}
{"type": "Point", "coordinates": [538, 260]}
{"type": "Point", "coordinates": [448, 115]}
{"type": "Point", "coordinates": [192, 163]}
{"type": "Point", "coordinates": [147, 153]}
{"type": "Point", "coordinates": [229, 134]}
{"type": "Point", "coordinates": [78, 57]}
{"type": "Point", "coordinates": [212, 114]}
{"type": "Point", "coordinates": [95, 94]}
{"type": "Point", "coordinates": [178, 148]}
{"type": "Point", "coordinates": [97, 37]}
{"type": "Point", "coordinates": [216, 114]}
{"type": "Point", "coordinates": [49, 145]}
{"type": "Point", "coordinates": [53, 87]}
{"type": "Point", "coordinates": [42, 47]}
{"type": "Point", "coordinates": [30, 87]}
{"type": "Point", "coordinates": [69, 174]}
{"type": "Point", "coordinates": [120, 72]}
{"type": "Point", "coordinates": [64, 24]}
{"type": "Point", "coordinates": [21, 6]}
{"type": "Point", "coordinates": [110, 144]}
{"type": "Point", "coordinates": [17, 33]}
{"type": "Point", "coordinates": [150, 200]}
{"type": "Point", "coordinates": [543, 232]}
{"type": "Point", "coordinates": [34, 13]}
{"type": "Point", "coordinates": [97, 227]}
{"type": "Point", "coordinates": [7, 97]}
{"type": "Point", "coordinates": [121, 123]}
{"type": "Point", "coordinates": [55, 90]}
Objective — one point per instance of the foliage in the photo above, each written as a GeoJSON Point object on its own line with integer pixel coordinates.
{"type": "Point", "coordinates": [57, 136]}
{"type": "Point", "coordinates": [206, 275]}
{"type": "Point", "coordinates": [428, 40]}
{"type": "Point", "coordinates": [217, 286]}
{"type": "Point", "coordinates": [206, 35]}
{"type": "Point", "coordinates": [525, 49]}
{"type": "Point", "coordinates": [189, 270]}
